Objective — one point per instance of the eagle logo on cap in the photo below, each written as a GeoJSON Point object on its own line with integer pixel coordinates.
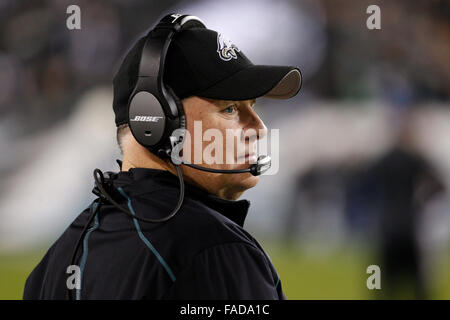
{"type": "Point", "coordinates": [225, 48]}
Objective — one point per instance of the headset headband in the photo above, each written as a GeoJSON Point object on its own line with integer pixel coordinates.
{"type": "Point", "coordinates": [151, 67]}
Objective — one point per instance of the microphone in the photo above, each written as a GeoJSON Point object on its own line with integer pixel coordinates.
{"type": "Point", "coordinates": [262, 165]}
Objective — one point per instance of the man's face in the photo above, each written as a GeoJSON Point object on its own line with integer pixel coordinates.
{"type": "Point", "coordinates": [238, 127]}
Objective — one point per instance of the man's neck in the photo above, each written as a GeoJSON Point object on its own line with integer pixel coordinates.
{"type": "Point", "coordinates": [127, 164]}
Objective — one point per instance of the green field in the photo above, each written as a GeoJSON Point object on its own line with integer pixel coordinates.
{"type": "Point", "coordinates": [340, 275]}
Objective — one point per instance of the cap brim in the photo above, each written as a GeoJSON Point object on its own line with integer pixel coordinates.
{"type": "Point", "coordinates": [278, 82]}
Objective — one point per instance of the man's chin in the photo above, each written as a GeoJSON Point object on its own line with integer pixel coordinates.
{"type": "Point", "coordinates": [247, 181]}
{"type": "Point", "coordinates": [234, 185]}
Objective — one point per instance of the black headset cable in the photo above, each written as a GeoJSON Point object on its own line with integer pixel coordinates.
{"type": "Point", "coordinates": [104, 196]}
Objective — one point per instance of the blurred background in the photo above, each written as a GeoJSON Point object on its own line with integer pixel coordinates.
{"type": "Point", "coordinates": [364, 148]}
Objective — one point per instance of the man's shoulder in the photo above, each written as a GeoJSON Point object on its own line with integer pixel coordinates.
{"type": "Point", "coordinates": [206, 223]}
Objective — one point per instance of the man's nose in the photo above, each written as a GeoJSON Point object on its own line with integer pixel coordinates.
{"type": "Point", "coordinates": [256, 125]}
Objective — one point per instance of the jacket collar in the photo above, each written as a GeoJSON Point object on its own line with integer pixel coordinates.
{"type": "Point", "coordinates": [138, 181]}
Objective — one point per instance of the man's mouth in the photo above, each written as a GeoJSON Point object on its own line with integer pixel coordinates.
{"type": "Point", "coordinates": [248, 158]}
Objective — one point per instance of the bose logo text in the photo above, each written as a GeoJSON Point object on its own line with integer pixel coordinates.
{"type": "Point", "coordinates": [147, 118]}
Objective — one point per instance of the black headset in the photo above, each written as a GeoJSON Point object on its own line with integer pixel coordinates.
{"type": "Point", "coordinates": [154, 113]}
{"type": "Point", "coordinates": [154, 110]}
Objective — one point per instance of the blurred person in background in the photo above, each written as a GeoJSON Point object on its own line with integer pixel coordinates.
{"type": "Point", "coordinates": [398, 185]}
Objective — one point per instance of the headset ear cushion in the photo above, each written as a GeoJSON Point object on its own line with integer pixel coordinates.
{"type": "Point", "coordinates": [178, 138]}
{"type": "Point", "coordinates": [177, 101]}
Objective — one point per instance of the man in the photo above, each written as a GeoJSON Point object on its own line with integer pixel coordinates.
{"type": "Point", "coordinates": [201, 252]}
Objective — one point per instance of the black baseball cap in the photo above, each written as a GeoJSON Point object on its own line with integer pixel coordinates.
{"type": "Point", "coordinates": [205, 63]}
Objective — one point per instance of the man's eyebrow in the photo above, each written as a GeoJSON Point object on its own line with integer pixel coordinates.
{"type": "Point", "coordinates": [223, 103]}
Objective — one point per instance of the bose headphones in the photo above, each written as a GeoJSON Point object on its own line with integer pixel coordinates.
{"type": "Point", "coordinates": [154, 110]}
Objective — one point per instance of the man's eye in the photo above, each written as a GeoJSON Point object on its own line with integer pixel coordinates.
{"type": "Point", "coordinates": [230, 110]}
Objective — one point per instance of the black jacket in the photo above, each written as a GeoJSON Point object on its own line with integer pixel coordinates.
{"type": "Point", "coordinates": [201, 253]}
